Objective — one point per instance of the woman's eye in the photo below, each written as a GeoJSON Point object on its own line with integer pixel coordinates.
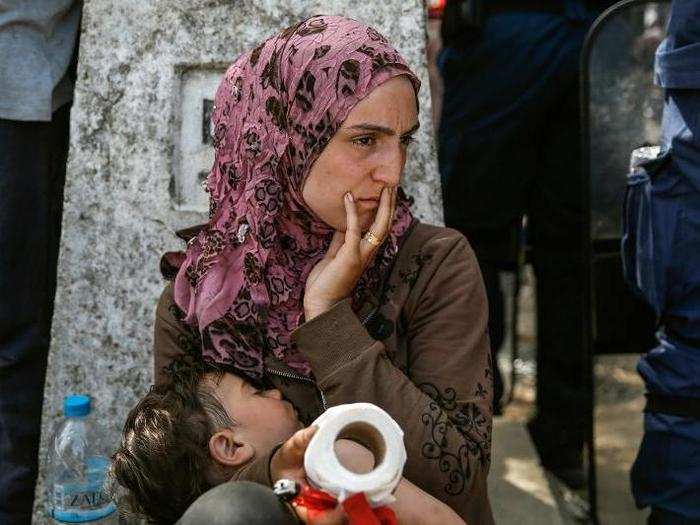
{"type": "Point", "coordinates": [407, 140]}
{"type": "Point", "coordinates": [364, 142]}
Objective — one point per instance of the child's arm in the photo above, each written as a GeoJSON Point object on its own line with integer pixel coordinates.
{"type": "Point", "coordinates": [413, 505]}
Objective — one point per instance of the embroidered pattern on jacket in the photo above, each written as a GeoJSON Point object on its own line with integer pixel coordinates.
{"type": "Point", "coordinates": [410, 276]}
{"type": "Point", "coordinates": [469, 421]}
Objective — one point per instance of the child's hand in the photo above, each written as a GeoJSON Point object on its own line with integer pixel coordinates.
{"type": "Point", "coordinates": [334, 516]}
{"type": "Point", "coordinates": [288, 461]}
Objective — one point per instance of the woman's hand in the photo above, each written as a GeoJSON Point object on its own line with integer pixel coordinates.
{"type": "Point", "coordinates": [335, 276]}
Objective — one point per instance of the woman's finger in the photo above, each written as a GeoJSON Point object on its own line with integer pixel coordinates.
{"type": "Point", "coordinates": [336, 244]}
{"type": "Point", "coordinates": [352, 223]}
{"type": "Point", "coordinates": [382, 220]}
{"type": "Point", "coordinates": [392, 207]}
{"type": "Point", "coordinates": [380, 226]}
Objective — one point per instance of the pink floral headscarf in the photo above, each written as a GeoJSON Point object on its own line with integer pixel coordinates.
{"type": "Point", "coordinates": [242, 282]}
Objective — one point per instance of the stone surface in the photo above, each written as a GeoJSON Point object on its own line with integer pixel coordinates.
{"type": "Point", "coordinates": [122, 206]}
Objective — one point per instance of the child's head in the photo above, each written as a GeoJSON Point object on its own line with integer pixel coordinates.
{"type": "Point", "coordinates": [192, 434]}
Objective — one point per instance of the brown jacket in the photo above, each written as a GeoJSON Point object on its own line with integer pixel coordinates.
{"type": "Point", "coordinates": [419, 350]}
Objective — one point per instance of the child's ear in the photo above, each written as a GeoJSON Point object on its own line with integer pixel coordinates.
{"type": "Point", "coordinates": [225, 449]}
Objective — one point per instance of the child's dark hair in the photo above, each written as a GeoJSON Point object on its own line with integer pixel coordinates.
{"type": "Point", "coordinates": [163, 460]}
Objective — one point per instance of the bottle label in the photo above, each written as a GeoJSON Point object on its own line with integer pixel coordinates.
{"type": "Point", "coordinates": [83, 501]}
{"type": "Point", "coordinates": [80, 503]}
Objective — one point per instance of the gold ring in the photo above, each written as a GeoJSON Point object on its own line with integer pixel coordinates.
{"type": "Point", "coordinates": [372, 239]}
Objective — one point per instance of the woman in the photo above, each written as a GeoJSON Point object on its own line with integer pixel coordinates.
{"type": "Point", "coordinates": [313, 276]}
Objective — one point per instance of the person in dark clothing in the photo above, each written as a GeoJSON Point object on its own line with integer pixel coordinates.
{"type": "Point", "coordinates": [661, 259]}
{"type": "Point", "coordinates": [509, 145]}
{"type": "Point", "coordinates": [37, 47]}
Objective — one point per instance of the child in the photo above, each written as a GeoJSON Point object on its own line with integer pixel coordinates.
{"type": "Point", "coordinates": [193, 433]}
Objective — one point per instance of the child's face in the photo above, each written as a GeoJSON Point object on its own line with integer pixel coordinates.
{"type": "Point", "coordinates": [263, 419]}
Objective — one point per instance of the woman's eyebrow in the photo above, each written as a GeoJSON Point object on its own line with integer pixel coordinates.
{"type": "Point", "coordinates": [366, 126]}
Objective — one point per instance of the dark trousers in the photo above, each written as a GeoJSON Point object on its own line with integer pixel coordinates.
{"type": "Point", "coordinates": [664, 517]}
{"type": "Point", "coordinates": [32, 174]}
{"type": "Point", "coordinates": [509, 144]}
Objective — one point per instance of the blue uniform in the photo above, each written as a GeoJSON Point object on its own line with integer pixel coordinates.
{"type": "Point", "coordinates": [661, 257]}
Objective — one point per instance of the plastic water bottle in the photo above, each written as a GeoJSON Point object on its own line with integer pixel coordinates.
{"type": "Point", "coordinates": [78, 464]}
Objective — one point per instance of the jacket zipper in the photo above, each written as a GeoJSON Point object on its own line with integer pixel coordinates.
{"type": "Point", "coordinates": [298, 377]}
{"type": "Point", "coordinates": [369, 317]}
{"type": "Point", "coordinates": [291, 375]}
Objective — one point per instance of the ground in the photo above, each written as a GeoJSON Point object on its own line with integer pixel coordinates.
{"type": "Point", "coordinates": [619, 398]}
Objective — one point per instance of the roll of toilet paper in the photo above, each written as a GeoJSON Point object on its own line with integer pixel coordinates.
{"type": "Point", "coordinates": [369, 425]}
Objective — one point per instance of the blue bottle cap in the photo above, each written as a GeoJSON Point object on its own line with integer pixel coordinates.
{"type": "Point", "coordinates": [76, 406]}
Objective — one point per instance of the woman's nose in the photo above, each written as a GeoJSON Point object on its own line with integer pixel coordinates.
{"type": "Point", "coordinates": [273, 393]}
{"type": "Point", "coordinates": [389, 169]}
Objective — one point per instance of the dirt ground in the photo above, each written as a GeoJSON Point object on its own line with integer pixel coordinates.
{"type": "Point", "coordinates": [619, 400]}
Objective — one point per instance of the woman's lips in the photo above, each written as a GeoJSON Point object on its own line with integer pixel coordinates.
{"type": "Point", "coordinates": [368, 203]}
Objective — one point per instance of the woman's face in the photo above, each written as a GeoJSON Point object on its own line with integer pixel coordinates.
{"type": "Point", "coordinates": [367, 154]}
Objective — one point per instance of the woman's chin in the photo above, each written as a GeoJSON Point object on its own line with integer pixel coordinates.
{"type": "Point", "coordinates": [366, 220]}
{"type": "Point", "coordinates": [337, 221]}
